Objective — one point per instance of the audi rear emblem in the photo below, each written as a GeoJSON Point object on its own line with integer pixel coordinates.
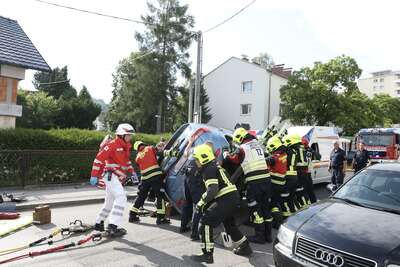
{"type": "Point", "coordinates": [329, 257]}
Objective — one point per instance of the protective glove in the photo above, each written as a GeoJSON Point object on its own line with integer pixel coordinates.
{"type": "Point", "coordinates": [225, 154]}
{"type": "Point", "coordinates": [171, 153]}
{"type": "Point", "coordinates": [200, 205]}
{"type": "Point", "coordinates": [135, 179]}
{"type": "Point", "coordinates": [270, 161]}
{"type": "Point", "coordinates": [93, 180]}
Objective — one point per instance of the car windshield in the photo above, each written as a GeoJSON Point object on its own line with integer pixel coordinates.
{"type": "Point", "coordinates": [377, 140]}
{"type": "Point", "coordinates": [379, 189]}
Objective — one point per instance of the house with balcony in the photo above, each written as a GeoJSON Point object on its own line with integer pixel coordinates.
{"type": "Point", "coordinates": [243, 93]}
{"type": "Point", "coordinates": [17, 54]}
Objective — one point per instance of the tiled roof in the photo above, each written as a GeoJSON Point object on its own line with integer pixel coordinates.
{"type": "Point", "coordinates": [17, 49]}
{"type": "Point", "coordinates": [277, 69]}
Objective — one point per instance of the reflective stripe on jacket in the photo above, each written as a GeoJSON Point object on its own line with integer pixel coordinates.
{"type": "Point", "coordinates": [279, 168]}
{"type": "Point", "coordinates": [253, 164]}
{"type": "Point", "coordinates": [114, 157]}
{"type": "Point", "coordinates": [146, 159]}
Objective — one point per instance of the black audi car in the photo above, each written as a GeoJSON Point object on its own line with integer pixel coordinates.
{"type": "Point", "coordinates": [358, 226]}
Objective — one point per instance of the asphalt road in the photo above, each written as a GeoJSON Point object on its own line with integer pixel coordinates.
{"type": "Point", "coordinates": [146, 244]}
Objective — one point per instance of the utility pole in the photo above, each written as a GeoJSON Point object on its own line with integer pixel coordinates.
{"type": "Point", "coordinates": [200, 114]}
{"type": "Point", "coordinates": [190, 111]}
{"type": "Point", "coordinates": [269, 95]}
{"type": "Point", "coordinates": [198, 77]}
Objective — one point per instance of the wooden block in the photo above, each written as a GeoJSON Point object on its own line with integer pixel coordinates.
{"type": "Point", "coordinates": [42, 215]}
{"type": "Point", "coordinates": [42, 208]}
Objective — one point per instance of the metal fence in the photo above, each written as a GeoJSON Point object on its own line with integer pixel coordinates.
{"type": "Point", "coordinates": [41, 167]}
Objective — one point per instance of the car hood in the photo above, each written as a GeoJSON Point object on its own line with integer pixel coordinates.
{"type": "Point", "coordinates": [358, 230]}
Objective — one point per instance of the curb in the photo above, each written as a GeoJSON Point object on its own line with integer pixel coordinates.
{"type": "Point", "coordinates": [69, 203]}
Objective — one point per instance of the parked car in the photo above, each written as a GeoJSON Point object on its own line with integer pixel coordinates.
{"type": "Point", "coordinates": [184, 139]}
{"type": "Point", "coordinates": [359, 225]}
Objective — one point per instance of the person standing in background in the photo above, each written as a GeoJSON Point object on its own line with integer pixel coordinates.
{"type": "Point", "coordinates": [337, 165]}
{"type": "Point", "coordinates": [361, 158]}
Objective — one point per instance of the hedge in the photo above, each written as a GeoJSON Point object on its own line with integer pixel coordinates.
{"type": "Point", "coordinates": [27, 165]}
{"type": "Point", "coordinates": [65, 139]}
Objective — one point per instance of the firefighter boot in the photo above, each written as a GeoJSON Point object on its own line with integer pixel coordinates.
{"type": "Point", "coordinates": [243, 249]}
{"type": "Point", "coordinates": [162, 220]}
{"type": "Point", "coordinates": [268, 232]}
{"type": "Point", "coordinates": [133, 217]}
{"type": "Point", "coordinates": [259, 236]}
{"type": "Point", "coordinates": [99, 226]}
{"type": "Point", "coordinates": [114, 231]}
{"type": "Point", "coordinates": [206, 257]}
{"type": "Point", "coordinates": [276, 223]}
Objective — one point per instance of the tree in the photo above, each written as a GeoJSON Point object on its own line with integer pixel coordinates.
{"type": "Point", "coordinates": [311, 95]}
{"type": "Point", "coordinates": [182, 107]}
{"type": "Point", "coordinates": [54, 83]}
{"type": "Point", "coordinates": [74, 111]}
{"type": "Point", "coordinates": [135, 94]}
{"type": "Point", "coordinates": [387, 109]}
{"type": "Point", "coordinates": [79, 112]}
{"type": "Point", "coordinates": [145, 83]}
{"type": "Point", "coordinates": [38, 110]}
{"type": "Point", "coordinates": [358, 111]}
{"type": "Point", "coordinates": [205, 109]}
{"type": "Point", "coordinates": [264, 60]}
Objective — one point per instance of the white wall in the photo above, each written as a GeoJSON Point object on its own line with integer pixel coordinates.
{"type": "Point", "coordinates": [12, 72]}
{"type": "Point", "coordinates": [223, 87]}
{"type": "Point", "coordinates": [276, 83]}
{"type": "Point", "coordinates": [389, 85]}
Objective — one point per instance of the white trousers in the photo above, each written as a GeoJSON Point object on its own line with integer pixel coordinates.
{"type": "Point", "coordinates": [114, 203]}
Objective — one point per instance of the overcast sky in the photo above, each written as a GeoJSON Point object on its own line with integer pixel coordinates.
{"type": "Point", "coordinates": [294, 32]}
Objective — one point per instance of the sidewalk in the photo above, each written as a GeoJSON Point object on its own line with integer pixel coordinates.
{"type": "Point", "coordinates": [63, 196]}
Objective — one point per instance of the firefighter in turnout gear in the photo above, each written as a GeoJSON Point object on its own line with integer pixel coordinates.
{"type": "Point", "coordinates": [311, 156]}
{"type": "Point", "coordinates": [113, 161]}
{"type": "Point", "coordinates": [257, 181]}
{"type": "Point", "coordinates": [301, 168]}
{"type": "Point", "coordinates": [218, 205]}
{"type": "Point", "coordinates": [282, 201]}
{"type": "Point", "coordinates": [291, 173]}
{"type": "Point", "coordinates": [151, 179]}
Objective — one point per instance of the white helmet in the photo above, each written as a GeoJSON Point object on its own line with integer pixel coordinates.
{"type": "Point", "coordinates": [124, 128]}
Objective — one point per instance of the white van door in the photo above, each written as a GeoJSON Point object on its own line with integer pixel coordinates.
{"type": "Point", "coordinates": [320, 173]}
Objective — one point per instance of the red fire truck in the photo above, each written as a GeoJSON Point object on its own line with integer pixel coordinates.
{"type": "Point", "coordinates": [382, 143]}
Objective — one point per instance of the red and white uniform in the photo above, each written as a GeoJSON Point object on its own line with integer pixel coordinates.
{"type": "Point", "coordinates": [114, 156]}
{"type": "Point", "coordinates": [113, 162]}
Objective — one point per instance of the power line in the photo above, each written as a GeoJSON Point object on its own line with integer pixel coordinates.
{"type": "Point", "coordinates": [231, 17]}
{"type": "Point", "coordinates": [94, 13]}
{"type": "Point", "coordinates": [54, 82]}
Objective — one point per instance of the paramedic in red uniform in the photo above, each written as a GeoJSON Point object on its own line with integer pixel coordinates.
{"type": "Point", "coordinates": [113, 161]}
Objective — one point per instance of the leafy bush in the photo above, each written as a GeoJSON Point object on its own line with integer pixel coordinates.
{"type": "Point", "coordinates": [65, 139]}
{"type": "Point", "coordinates": [69, 159]}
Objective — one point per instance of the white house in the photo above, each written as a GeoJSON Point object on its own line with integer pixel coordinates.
{"type": "Point", "coordinates": [242, 92]}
